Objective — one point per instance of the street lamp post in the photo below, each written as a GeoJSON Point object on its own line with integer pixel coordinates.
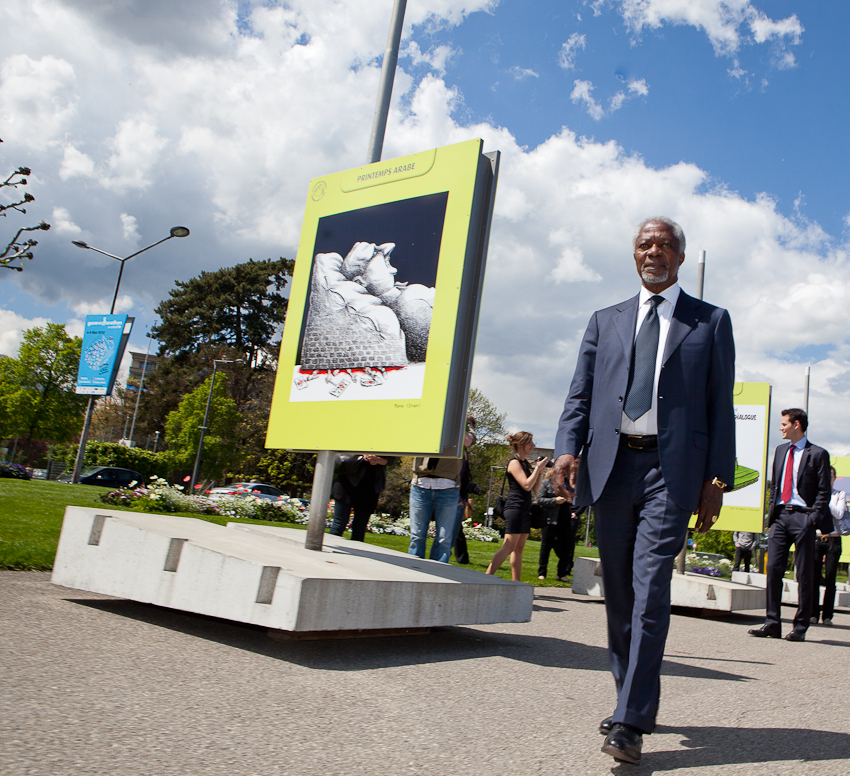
{"type": "Point", "coordinates": [176, 231]}
{"type": "Point", "coordinates": [197, 468]}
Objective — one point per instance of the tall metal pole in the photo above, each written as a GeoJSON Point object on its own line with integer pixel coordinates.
{"type": "Point", "coordinates": [203, 433]}
{"type": "Point", "coordinates": [141, 385]}
{"type": "Point", "coordinates": [806, 391]}
{"type": "Point", "coordinates": [385, 90]}
{"type": "Point", "coordinates": [680, 558]}
{"type": "Point", "coordinates": [323, 475]}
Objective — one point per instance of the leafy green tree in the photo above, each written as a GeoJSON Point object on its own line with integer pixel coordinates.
{"type": "Point", "coordinates": [240, 307]}
{"type": "Point", "coordinates": [20, 246]}
{"type": "Point", "coordinates": [37, 398]}
{"type": "Point", "coordinates": [183, 430]}
{"type": "Point", "coordinates": [291, 472]}
{"type": "Point", "coordinates": [231, 313]}
{"type": "Point", "coordinates": [490, 450]}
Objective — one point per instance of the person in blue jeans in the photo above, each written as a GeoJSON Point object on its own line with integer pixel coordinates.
{"type": "Point", "coordinates": [434, 494]}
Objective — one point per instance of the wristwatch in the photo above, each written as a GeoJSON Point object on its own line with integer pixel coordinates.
{"type": "Point", "coordinates": [720, 484]}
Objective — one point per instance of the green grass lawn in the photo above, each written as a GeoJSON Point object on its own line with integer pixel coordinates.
{"type": "Point", "coordinates": [31, 513]}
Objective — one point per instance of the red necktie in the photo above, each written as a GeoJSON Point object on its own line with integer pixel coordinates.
{"type": "Point", "coordinates": [788, 481]}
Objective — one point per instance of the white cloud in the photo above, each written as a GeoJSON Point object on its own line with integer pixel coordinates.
{"type": "Point", "coordinates": [727, 23]}
{"type": "Point", "coordinates": [75, 163]}
{"type": "Point", "coordinates": [569, 49]}
{"type": "Point", "coordinates": [62, 223]}
{"type": "Point", "coordinates": [37, 98]}
{"type": "Point", "coordinates": [522, 73]}
{"type": "Point", "coordinates": [137, 146]}
{"type": "Point", "coordinates": [583, 93]}
{"type": "Point", "coordinates": [12, 328]}
{"type": "Point", "coordinates": [131, 227]}
{"type": "Point", "coordinates": [436, 58]}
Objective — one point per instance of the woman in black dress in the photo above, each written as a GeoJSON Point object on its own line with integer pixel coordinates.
{"type": "Point", "coordinates": [523, 480]}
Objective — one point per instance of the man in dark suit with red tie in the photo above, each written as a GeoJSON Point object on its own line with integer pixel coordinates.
{"type": "Point", "coordinates": [799, 503]}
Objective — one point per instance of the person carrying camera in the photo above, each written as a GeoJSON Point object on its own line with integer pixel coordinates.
{"type": "Point", "coordinates": [523, 480]}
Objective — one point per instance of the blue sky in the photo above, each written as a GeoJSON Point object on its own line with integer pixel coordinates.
{"type": "Point", "coordinates": [728, 115]}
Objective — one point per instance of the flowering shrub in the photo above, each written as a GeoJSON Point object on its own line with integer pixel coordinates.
{"type": "Point", "coordinates": [699, 564]}
{"type": "Point", "coordinates": [15, 471]}
{"type": "Point", "coordinates": [159, 496]}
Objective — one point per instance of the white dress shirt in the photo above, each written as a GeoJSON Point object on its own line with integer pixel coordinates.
{"type": "Point", "coordinates": [648, 422]}
{"type": "Point", "coordinates": [837, 506]}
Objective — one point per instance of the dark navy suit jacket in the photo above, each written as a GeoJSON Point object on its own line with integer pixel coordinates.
{"type": "Point", "coordinates": [813, 484]}
{"type": "Point", "coordinates": [696, 418]}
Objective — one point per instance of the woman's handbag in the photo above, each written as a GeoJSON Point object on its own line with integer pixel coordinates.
{"type": "Point", "coordinates": [538, 517]}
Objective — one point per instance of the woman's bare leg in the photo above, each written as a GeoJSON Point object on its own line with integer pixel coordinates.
{"type": "Point", "coordinates": [499, 558]}
{"type": "Point", "coordinates": [516, 557]}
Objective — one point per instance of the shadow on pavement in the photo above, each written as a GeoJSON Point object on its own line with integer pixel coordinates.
{"type": "Point", "coordinates": [442, 644]}
{"type": "Point", "coordinates": [716, 746]}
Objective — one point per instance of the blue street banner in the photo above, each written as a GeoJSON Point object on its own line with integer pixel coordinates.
{"type": "Point", "coordinates": [104, 340]}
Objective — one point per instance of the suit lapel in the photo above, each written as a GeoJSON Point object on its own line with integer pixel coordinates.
{"type": "Point", "coordinates": [779, 464]}
{"type": "Point", "coordinates": [804, 456]}
{"type": "Point", "coordinates": [686, 315]}
{"type": "Point", "coordinates": [625, 322]}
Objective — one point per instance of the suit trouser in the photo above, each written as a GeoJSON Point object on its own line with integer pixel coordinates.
{"type": "Point", "coordinates": [640, 531]}
{"type": "Point", "coordinates": [826, 554]}
{"type": "Point", "coordinates": [792, 526]}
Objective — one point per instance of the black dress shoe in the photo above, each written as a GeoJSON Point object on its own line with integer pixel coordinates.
{"type": "Point", "coordinates": [796, 636]}
{"type": "Point", "coordinates": [623, 743]}
{"type": "Point", "coordinates": [766, 632]}
{"type": "Point", "coordinates": [606, 725]}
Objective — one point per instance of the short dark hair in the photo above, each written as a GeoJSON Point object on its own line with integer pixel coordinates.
{"type": "Point", "coordinates": [832, 470]}
{"type": "Point", "coordinates": [795, 414]}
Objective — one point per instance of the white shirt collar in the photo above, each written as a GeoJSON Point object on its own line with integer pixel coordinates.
{"type": "Point", "coordinates": [670, 294]}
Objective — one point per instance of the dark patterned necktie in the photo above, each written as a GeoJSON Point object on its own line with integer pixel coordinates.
{"type": "Point", "coordinates": [639, 396]}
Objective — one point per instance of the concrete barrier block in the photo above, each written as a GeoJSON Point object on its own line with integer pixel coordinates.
{"type": "Point", "coordinates": [692, 590]}
{"type": "Point", "coordinates": [263, 575]}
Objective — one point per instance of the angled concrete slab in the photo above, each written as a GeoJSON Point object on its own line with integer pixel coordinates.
{"type": "Point", "coordinates": [692, 590]}
{"type": "Point", "coordinates": [264, 575]}
{"type": "Point", "coordinates": [790, 588]}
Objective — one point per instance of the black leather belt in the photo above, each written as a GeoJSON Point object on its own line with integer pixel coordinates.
{"type": "Point", "coordinates": [639, 442]}
{"type": "Point", "coordinates": [795, 508]}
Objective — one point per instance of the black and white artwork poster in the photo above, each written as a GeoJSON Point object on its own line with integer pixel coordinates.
{"type": "Point", "coordinates": [367, 319]}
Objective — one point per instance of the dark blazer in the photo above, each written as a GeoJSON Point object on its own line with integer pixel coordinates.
{"type": "Point", "coordinates": [696, 418]}
{"type": "Point", "coordinates": [813, 484]}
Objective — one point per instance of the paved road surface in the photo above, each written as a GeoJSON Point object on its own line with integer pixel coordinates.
{"type": "Point", "coordinates": [95, 685]}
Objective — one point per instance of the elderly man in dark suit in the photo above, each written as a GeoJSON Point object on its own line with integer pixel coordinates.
{"type": "Point", "coordinates": [799, 503]}
{"type": "Point", "coordinates": [650, 411]}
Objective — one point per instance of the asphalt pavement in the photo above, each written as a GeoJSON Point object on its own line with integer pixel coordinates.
{"type": "Point", "coordinates": [96, 685]}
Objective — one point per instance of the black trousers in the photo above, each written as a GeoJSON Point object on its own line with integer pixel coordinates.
{"type": "Point", "coordinates": [561, 537]}
{"type": "Point", "coordinates": [790, 527]}
{"type": "Point", "coordinates": [745, 555]}
{"type": "Point", "coordinates": [827, 554]}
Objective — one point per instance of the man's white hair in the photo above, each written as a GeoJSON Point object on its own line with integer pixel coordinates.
{"type": "Point", "coordinates": [674, 227]}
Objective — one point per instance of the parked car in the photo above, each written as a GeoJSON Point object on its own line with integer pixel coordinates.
{"type": "Point", "coordinates": [106, 476]}
{"type": "Point", "coordinates": [258, 489]}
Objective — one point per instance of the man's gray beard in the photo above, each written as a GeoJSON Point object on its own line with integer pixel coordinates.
{"type": "Point", "coordinates": [646, 277]}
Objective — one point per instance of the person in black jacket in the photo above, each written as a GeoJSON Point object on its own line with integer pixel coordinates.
{"type": "Point", "coordinates": [358, 484]}
{"type": "Point", "coordinates": [800, 490]}
{"type": "Point", "coordinates": [559, 530]}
